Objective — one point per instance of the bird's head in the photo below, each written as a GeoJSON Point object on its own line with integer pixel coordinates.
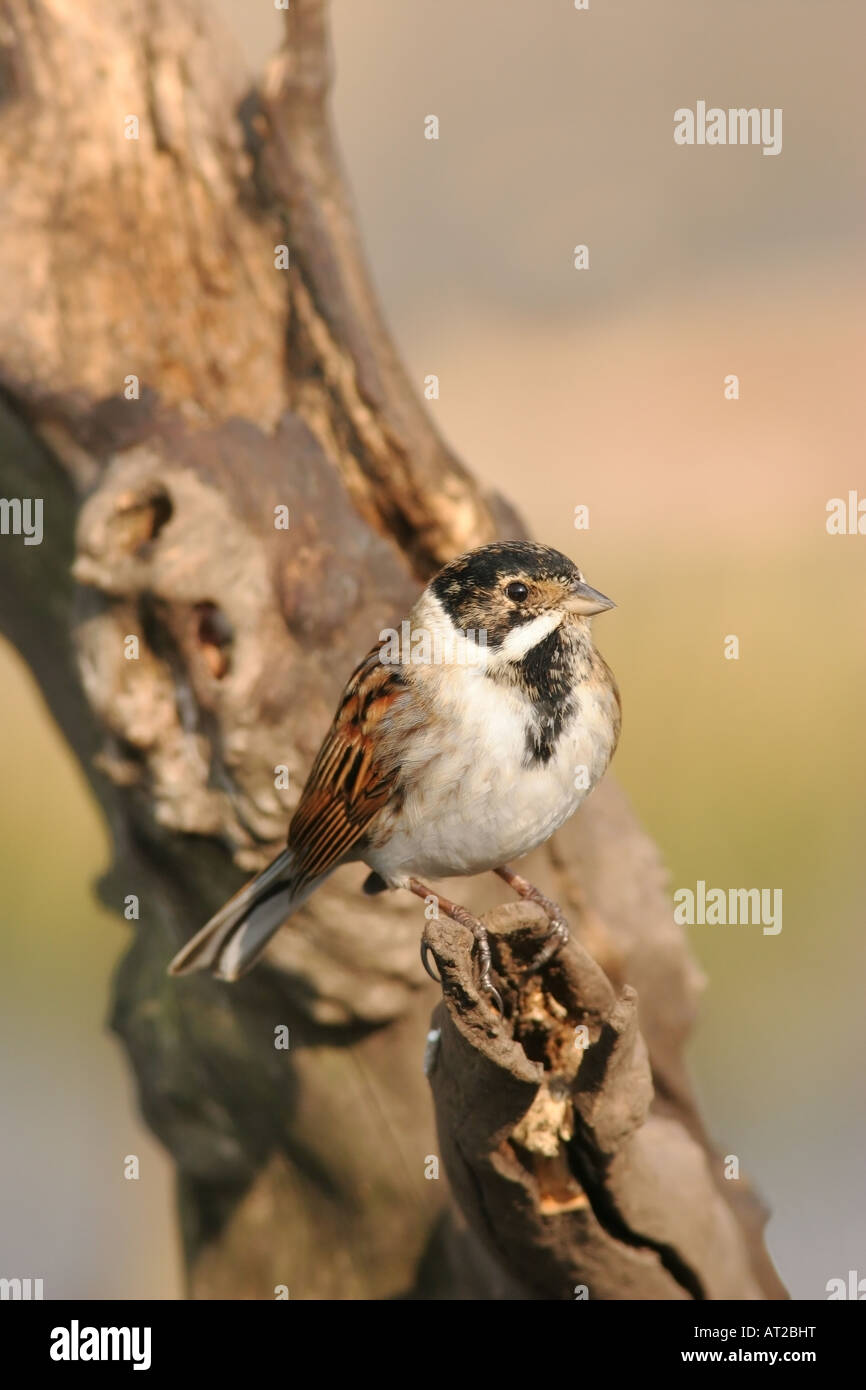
{"type": "Point", "coordinates": [517, 592]}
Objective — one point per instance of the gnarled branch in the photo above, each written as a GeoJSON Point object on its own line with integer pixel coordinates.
{"type": "Point", "coordinates": [152, 260]}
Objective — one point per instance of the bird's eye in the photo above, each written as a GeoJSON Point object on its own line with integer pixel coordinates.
{"type": "Point", "coordinates": [517, 591]}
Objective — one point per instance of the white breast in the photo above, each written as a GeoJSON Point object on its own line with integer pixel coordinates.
{"type": "Point", "coordinates": [470, 803]}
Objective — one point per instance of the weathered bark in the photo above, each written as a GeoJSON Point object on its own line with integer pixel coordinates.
{"type": "Point", "coordinates": [264, 388]}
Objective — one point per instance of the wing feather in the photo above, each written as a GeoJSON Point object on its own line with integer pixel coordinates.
{"type": "Point", "coordinates": [353, 776]}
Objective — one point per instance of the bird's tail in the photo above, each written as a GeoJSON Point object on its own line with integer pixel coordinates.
{"type": "Point", "coordinates": [234, 938]}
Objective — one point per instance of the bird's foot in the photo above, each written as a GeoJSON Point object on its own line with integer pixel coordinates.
{"type": "Point", "coordinates": [479, 931]}
{"type": "Point", "coordinates": [557, 937]}
{"type": "Point", "coordinates": [559, 931]}
{"type": "Point", "coordinates": [483, 943]}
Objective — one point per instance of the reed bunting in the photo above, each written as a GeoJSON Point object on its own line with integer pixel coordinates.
{"type": "Point", "coordinates": [458, 744]}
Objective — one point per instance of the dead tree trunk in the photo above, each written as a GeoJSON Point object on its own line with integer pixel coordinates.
{"type": "Point", "coordinates": [166, 386]}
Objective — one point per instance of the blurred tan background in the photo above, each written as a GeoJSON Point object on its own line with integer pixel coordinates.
{"type": "Point", "coordinates": [707, 517]}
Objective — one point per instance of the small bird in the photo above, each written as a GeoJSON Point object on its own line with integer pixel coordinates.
{"type": "Point", "coordinates": [459, 744]}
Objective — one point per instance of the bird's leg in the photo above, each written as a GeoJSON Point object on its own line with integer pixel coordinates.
{"type": "Point", "coordinates": [465, 918]}
{"type": "Point", "coordinates": [558, 925]}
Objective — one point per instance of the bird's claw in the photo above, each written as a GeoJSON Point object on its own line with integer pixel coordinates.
{"type": "Point", "coordinates": [495, 996]}
{"type": "Point", "coordinates": [557, 937]}
{"type": "Point", "coordinates": [483, 944]}
{"type": "Point", "coordinates": [486, 982]}
{"type": "Point", "coordinates": [426, 952]}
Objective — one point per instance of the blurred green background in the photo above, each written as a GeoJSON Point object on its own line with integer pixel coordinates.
{"type": "Point", "coordinates": [707, 517]}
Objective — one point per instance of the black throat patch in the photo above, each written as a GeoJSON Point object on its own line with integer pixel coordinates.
{"type": "Point", "coordinates": [547, 674]}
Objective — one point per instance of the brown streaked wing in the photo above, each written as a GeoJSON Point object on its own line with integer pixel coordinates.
{"type": "Point", "coordinates": [348, 784]}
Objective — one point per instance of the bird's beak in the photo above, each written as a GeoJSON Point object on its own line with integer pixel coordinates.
{"type": "Point", "coordinates": [585, 600]}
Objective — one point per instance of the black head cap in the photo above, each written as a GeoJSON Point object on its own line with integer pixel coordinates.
{"type": "Point", "coordinates": [501, 585]}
